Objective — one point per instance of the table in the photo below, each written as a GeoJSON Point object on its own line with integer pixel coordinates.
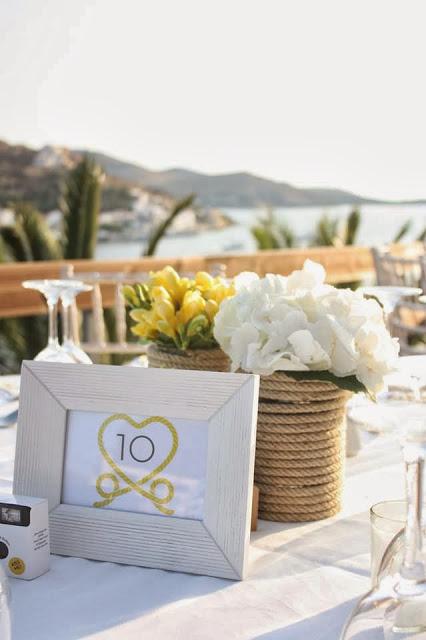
{"type": "Point", "coordinates": [303, 581]}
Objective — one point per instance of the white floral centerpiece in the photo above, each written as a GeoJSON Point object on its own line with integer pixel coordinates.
{"type": "Point", "coordinates": [311, 343]}
{"type": "Point", "coordinates": [309, 329]}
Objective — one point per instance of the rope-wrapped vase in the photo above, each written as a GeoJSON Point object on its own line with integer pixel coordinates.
{"type": "Point", "coordinates": [196, 359]}
{"type": "Point", "coordinates": [300, 448]}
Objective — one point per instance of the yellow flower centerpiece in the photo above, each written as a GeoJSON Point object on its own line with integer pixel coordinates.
{"type": "Point", "coordinates": [176, 316]}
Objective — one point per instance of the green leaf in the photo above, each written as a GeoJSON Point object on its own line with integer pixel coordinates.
{"type": "Point", "coordinates": [348, 383]}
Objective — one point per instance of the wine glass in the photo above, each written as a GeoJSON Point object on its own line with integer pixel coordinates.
{"type": "Point", "coordinates": [68, 295]}
{"type": "Point", "coordinates": [395, 608]}
{"type": "Point", "coordinates": [51, 290]}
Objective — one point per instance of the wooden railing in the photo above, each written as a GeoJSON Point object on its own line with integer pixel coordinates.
{"type": "Point", "coordinates": [344, 264]}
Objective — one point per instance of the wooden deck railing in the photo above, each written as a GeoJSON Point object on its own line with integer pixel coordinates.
{"type": "Point", "coordinates": [344, 264]}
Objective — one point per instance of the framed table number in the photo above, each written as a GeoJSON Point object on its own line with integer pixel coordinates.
{"type": "Point", "coordinates": [151, 467]}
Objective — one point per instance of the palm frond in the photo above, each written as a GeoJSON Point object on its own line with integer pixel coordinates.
{"type": "Point", "coordinates": [422, 236]}
{"type": "Point", "coordinates": [326, 232]}
{"type": "Point", "coordinates": [160, 231]}
{"type": "Point", "coordinates": [80, 205]}
{"type": "Point", "coordinates": [270, 234]}
{"type": "Point", "coordinates": [404, 229]}
{"type": "Point", "coordinates": [353, 224]}
{"type": "Point", "coordinates": [40, 239]}
{"type": "Point", "coordinates": [16, 243]}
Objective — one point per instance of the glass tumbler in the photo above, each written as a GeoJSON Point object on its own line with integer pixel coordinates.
{"type": "Point", "coordinates": [387, 519]}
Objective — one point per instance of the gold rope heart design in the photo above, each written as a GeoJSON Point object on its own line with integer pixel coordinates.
{"type": "Point", "coordinates": [108, 497]}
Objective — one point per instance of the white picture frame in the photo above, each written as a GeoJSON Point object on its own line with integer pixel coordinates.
{"type": "Point", "coordinates": [218, 544]}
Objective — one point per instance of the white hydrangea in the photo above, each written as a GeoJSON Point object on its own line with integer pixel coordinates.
{"type": "Point", "coordinates": [299, 323]}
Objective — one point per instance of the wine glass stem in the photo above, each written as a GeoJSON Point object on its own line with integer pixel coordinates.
{"type": "Point", "coordinates": [414, 463]}
{"type": "Point", "coordinates": [53, 323]}
{"type": "Point", "coordinates": [66, 321]}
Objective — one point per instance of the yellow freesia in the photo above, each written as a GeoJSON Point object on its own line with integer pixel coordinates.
{"type": "Point", "coordinates": [170, 280]}
{"type": "Point", "coordinates": [167, 328]}
{"type": "Point", "coordinates": [219, 291]}
{"type": "Point", "coordinates": [193, 304]}
{"type": "Point", "coordinates": [204, 281]}
{"type": "Point", "coordinates": [175, 311]}
{"type": "Point", "coordinates": [165, 313]}
{"type": "Point", "coordinates": [212, 308]}
{"type": "Point", "coordinates": [160, 293]}
{"type": "Point", "coordinates": [144, 330]}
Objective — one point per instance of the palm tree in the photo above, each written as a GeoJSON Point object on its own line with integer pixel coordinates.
{"type": "Point", "coordinates": [269, 233]}
{"type": "Point", "coordinates": [160, 231]}
{"type": "Point", "coordinates": [329, 234]}
{"type": "Point", "coordinates": [80, 204]}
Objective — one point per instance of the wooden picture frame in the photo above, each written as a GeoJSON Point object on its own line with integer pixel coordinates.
{"type": "Point", "coordinates": [217, 545]}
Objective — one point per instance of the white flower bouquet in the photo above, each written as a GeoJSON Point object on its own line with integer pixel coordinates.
{"type": "Point", "coordinates": [306, 328]}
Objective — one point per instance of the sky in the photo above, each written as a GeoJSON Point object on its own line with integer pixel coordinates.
{"type": "Point", "coordinates": [310, 92]}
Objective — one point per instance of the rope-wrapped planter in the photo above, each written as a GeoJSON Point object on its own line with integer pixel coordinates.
{"type": "Point", "coordinates": [196, 359]}
{"type": "Point", "coordinates": [300, 448]}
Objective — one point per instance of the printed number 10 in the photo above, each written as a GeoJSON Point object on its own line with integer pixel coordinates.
{"type": "Point", "coordinates": [132, 442]}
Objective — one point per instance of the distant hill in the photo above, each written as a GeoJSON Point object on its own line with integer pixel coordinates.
{"type": "Point", "coordinates": [37, 176]}
{"type": "Point", "coordinates": [227, 190]}
{"type": "Point", "coordinates": [27, 174]}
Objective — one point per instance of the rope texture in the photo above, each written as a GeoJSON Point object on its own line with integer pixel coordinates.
{"type": "Point", "coordinates": [195, 359]}
{"type": "Point", "coordinates": [299, 449]}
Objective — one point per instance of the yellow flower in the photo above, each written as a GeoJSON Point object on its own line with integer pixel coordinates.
{"type": "Point", "coordinates": [139, 315]}
{"type": "Point", "coordinates": [177, 311]}
{"type": "Point", "coordinates": [204, 281]}
{"type": "Point", "coordinates": [171, 282]}
{"type": "Point", "coordinates": [165, 310]}
{"type": "Point", "coordinates": [167, 328]}
{"type": "Point", "coordinates": [193, 304]}
{"type": "Point", "coordinates": [159, 293]}
{"type": "Point", "coordinates": [144, 330]}
{"type": "Point", "coordinates": [219, 292]}
{"type": "Point", "coordinates": [130, 295]}
{"type": "Point", "coordinates": [211, 309]}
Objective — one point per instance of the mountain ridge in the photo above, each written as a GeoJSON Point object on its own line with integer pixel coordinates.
{"type": "Point", "coordinates": [35, 175]}
{"type": "Point", "coordinates": [237, 189]}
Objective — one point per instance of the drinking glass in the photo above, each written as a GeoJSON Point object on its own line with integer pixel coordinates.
{"type": "Point", "coordinates": [68, 295]}
{"type": "Point", "coordinates": [395, 608]}
{"type": "Point", "coordinates": [51, 290]}
{"type": "Point", "coordinates": [387, 521]}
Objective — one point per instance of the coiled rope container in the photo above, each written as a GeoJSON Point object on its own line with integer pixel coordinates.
{"type": "Point", "coordinates": [197, 359]}
{"type": "Point", "coordinates": [300, 449]}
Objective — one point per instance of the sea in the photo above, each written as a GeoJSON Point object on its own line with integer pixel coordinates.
{"type": "Point", "coordinates": [379, 225]}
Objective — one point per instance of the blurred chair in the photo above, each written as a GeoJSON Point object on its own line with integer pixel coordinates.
{"type": "Point", "coordinates": [395, 270]}
{"type": "Point", "coordinates": [408, 322]}
{"type": "Point", "coordinates": [409, 325]}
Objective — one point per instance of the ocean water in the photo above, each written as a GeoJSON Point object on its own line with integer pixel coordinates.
{"type": "Point", "coordinates": [379, 225]}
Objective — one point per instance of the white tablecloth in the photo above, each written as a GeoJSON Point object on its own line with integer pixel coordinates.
{"type": "Point", "coordinates": [303, 582]}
